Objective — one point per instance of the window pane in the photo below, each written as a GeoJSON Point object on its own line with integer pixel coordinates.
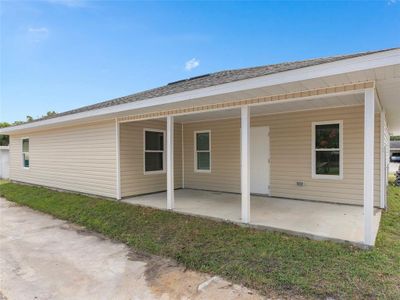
{"type": "Point", "coordinates": [153, 161]}
{"type": "Point", "coordinates": [327, 136]}
{"type": "Point", "coordinates": [203, 160]}
{"type": "Point", "coordinates": [327, 162]}
{"type": "Point", "coordinates": [203, 141]}
{"type": "Point", "coordinates": [26, 159]}
{"type": "Point", "coordinates": [25, 145]}
{"type": "Point", "coordinates": [154, 140]}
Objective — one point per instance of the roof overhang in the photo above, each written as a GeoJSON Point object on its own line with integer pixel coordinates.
{"type": "Point", "coordinates": [261, 101]}
{"type": "Point", "coordinates": [237, 89]}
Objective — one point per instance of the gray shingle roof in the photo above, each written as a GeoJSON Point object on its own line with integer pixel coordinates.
{"type": "Point", "coordinates": [211, 80]}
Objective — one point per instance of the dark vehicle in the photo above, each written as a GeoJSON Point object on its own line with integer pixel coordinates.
{"type": "Point", "coordinates": [395, 157]}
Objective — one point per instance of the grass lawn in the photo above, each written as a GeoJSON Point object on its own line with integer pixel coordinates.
{"type": "Point", "coordinates": [258, 259]}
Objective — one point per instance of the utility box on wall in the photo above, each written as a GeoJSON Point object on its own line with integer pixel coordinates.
{"type": "Point", "coordinates": [4, 162]}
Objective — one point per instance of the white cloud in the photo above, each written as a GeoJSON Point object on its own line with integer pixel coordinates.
{"type": "Point", "coordinates": [390, 2]}
{"type": "Point", "coordinates": [69, 3]}
{"type": "Point", "coordinates": [37, 34]}
{"type": "Point", "coordinates": [38, 30]}
{"type": "Point", "coordinates": [192, 64]}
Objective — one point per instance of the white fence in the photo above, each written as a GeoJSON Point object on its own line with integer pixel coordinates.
{"type": "Point", "coordinates": [4, 162]}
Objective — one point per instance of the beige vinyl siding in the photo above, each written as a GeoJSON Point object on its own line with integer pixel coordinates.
{"type": "Point", "coordinates": [290, 145]}
{"type": "Point", "coordinates": [225, 156]}
{"type": "Point", "coordinates": [77, 158]}
{"type": "Point", "coordinates": [133, 179]}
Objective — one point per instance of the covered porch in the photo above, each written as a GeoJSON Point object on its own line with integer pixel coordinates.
{"type": "Point", "coordinates": [295, 198]}
{"type": "Point", "coordinates": [317, 220]}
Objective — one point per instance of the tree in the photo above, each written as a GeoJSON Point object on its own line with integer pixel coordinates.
{"type": "Point", "coordinates": [5, 139]}
{"type": "Point", "coordinates": [50, 113]}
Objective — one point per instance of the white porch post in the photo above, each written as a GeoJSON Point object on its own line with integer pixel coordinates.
{"type": "Point", "coordinates": [383, 179]}
{"type": "Point", "coordinates": [369, 121]}
{"type": "Point", "coordinates": [245, 162]}
{"type": "Point", "coordinates": [170, 162]}
{"type": "Point", "coordinates": [117, 160]}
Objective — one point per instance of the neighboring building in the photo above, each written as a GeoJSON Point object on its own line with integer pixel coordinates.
{"type": "Point", "coordinates": [394, 156]}
{"type": "Point", "coordinates": [395, 148]}
{"type": "Point", "coordinates": [4, 162]}
{"type": "Point", "coordinates": [314, 130]}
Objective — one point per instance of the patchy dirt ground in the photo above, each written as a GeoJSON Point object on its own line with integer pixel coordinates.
{"type": "Point", "coordinates": [46, 258]}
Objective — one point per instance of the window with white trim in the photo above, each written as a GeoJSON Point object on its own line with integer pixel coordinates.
{"type": "Point", "coordinates": [202, 146]}
{"type": "Point", "coordinates": [25, 153]}
{"type": "Point", "coordinates": [153, 150]}
{"type": "Point", "coordinates": [327, 150]}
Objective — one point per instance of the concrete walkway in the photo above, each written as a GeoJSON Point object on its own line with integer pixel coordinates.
{"type": "Point", "coordinates": [46, 258]}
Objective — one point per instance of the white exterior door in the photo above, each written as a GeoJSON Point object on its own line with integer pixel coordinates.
{"type": "Point", "coordinates": [259, 160]}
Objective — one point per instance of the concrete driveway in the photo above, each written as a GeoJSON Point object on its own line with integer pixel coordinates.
{"type": "Point", "coordinates": [46, 258]}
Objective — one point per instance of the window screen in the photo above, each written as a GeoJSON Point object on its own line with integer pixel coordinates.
{"type": "Point", "coordinates": [25, 153]}
{"type": "Point", "coordinates": [154, 151]}
{"type": "Point", "coordinates": [203, 153]}
{"type": "Point", "coordinates": [327, 149]}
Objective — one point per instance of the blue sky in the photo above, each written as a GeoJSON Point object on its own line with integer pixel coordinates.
{"type": "Point", "coordinates": [59, 55]}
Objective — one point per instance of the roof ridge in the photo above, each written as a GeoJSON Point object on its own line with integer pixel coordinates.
{"type": "Point", "coordinates": [312, 59]}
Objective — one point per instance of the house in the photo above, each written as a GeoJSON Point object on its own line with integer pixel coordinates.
{"type": "Point", "coordinates": [301, 147]}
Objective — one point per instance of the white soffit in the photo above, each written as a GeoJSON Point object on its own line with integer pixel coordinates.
{"type": "Point", "coordinates": [274, 108]}
{"type": "Point", "coordinates": [389, 95]}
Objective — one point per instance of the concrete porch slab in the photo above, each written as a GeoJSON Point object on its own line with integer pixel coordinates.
{"type": "Point", "coordinates": [307, 218]}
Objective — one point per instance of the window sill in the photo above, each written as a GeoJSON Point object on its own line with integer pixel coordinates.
{"type": "Point", "coordinates": [154, 172]}
{"type": "Point", "coordinates": [202, 171]}
{"type": "Point", "coordinates": [329, 177]}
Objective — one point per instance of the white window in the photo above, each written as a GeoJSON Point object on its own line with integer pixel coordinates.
{"type": "Point", "coordinates": [154, 151]}
{"type": "Point", "coordinates": [25, 153]}
{"type": "Point", "coordinates": [202, 149]}
{"type": "Point", "coordinates": [327, 150]}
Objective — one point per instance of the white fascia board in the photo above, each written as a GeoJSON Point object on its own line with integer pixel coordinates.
{"type": "Point", "coordinates": [361, 63]}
